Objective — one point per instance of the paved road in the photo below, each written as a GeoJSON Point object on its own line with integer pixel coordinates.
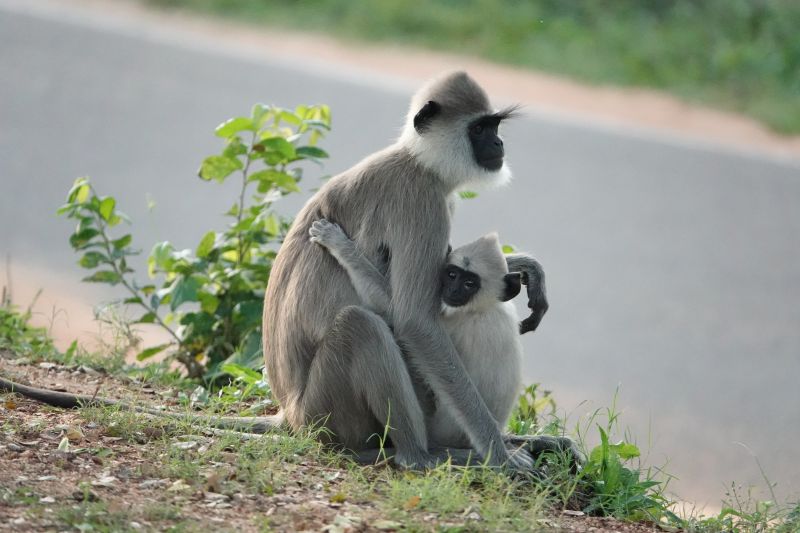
{"type": "Point", "coordinates": [673, 271]}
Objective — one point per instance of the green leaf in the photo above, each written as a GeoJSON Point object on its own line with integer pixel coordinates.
{"type": "Point", "coordinates": [82, 194]}
{"type": "Point", "coordinates": [106, 209]}
{"type": "Point", "coordinates": [208, 302]}
{"type": "Point", "coordinates": [249, 354]}
{"type": "Point", "coordinates": [248, 375]}
{"type": "Point", "coordinates": [468, 195]}
{"type": "Point", "coordinates": [286, 182]}
{"type": "Point", "coordinates": [184, 290]}
{"type": "Point", "coordinates": [291, 118]}
{"type": "Point", "coordinates": [233, 126]}
{"type": "Point", "coordinates": [122, 242]}
{"type": "Point", "coordinates": [269, 177]}
{"type": "Point", "coordinates": [230, 255]}
{"type": "Point", "coordinates": [317, 124]}
{"type": "Point", "coordinates": [626, 450]}
{"type": "Point", "coordinates": [92, 259]}
{"type": "Point", "coordinates": [219, 167]}
{"type": "Point", "coordinates": [80, 239]}
{"type": "Point", "coordinates": [104, 276]}
{"type": "Point", "coordinates": [66, 208]}
{"type": "Point", "coordinates": [206, 245]}
{"type": "Point", "coordinates": [249, 312]}
{"type": "Point", "coordinates": [311, 152]}
{"type": "Point", "coordinates": [280, 145]}
{"type": "Point", "coordinates": [271, 225]}
{"type": "Point", "coordinates": [160, 258]}
{"type": "Point", "coordinates": [150, 352]}
{"type": "Point", "coordinates": [234, 148]}
{"type": "Point", "coordinates": [508, 249]}
{"type": "Point", "coordinates": [260, 113]}
{"type": "Point", "coordinates": [76, 186]}
{"type": "Point", "coordinates": [147, 318]}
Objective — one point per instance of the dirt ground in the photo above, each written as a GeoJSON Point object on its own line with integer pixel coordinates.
{"type": "Point", "coordinates": [43, 483]}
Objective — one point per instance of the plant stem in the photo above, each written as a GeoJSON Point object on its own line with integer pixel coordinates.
{"type": "Point", "coordinates": [245, 170]}
{"type": "Point", "coordinates": [109, 251]}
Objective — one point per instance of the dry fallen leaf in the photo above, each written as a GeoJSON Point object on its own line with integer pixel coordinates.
{"type": "Point", "coordinates": [386, 525]}
{"type": "Point", "coordinates": [184, 445]}
{"type": "Point", "coordinates": [74, 434]}
{"type": "Point", "coordinates": [412, 502]}
{"type": "Point", "coordinates": [179, 486]}
{"type": "Point", "coordinates": [216, 497]}
{"type": "Point", "coordinates": [214, 482]}
{"type": "Point", "coordinates": [10, 404]}
{"type": "Point", "coordinates": [343, 523]}
{"type": "Point", "coordinates": [338, 498]}
{"type": "Point", "coordinates": [105, 481]}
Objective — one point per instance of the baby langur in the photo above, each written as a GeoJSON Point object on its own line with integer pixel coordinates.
{"type": "Point", "coordinates": [477, 315]}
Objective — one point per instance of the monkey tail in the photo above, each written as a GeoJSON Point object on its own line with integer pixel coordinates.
{"type": "Point", "coordinates": [66, 400]}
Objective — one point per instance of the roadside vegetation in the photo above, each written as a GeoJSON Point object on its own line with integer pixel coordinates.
{"type": "Point", "coordinates": [110, 469]}
{"type": "Point", "coordinates": [740, 55]}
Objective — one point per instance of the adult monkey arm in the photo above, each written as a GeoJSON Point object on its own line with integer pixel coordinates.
{"type": "Point", "coordinates": [533, 278]}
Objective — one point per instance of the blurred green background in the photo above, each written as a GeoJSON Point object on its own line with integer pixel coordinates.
{"type": "Point", "coordinates": [741, 55]}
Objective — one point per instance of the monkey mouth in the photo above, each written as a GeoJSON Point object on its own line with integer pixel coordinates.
{"type": "Point", "coordinates": [454, 302]}
{"type": "Point", "coordinates": [493, 164]}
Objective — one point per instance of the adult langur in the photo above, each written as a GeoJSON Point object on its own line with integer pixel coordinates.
{"type": "Point", "coordinates": [330, 360]}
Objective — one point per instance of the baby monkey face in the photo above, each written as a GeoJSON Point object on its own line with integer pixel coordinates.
{"type": "Point", "coordinates": [459, 285]}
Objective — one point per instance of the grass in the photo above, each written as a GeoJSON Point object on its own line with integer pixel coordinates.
{"type": "Point", "coordinates": [611, 483]}
{"type": "Point", "coordinates": [740, 55]}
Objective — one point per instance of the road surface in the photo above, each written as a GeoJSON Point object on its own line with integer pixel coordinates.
{"type": "Point", "coordinates": [673, 270]}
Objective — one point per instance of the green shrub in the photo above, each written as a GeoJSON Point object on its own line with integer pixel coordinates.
{"type": "Point", "coordinates": [213, 295]}
{"type": "Point", "coordinates": [17, 335]}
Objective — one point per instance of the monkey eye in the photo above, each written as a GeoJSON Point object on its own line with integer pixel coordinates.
{"type": "Point", "coordinates": [477, 129]}
{"type": "Point", "coordinates": [469, 284]}
{"type": "Point", "coordinates": [451, 275]}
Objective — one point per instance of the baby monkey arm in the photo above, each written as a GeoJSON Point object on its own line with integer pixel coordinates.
{"type": "Point", "coordinates": [370, 285]}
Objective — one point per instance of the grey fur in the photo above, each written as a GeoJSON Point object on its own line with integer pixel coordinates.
{"type": "Point", "coordinates": [327, 356]}
{"type": "Point", "coordinates": [484, 330]}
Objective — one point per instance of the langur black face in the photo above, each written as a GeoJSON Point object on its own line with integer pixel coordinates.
{"type": "Point", "coordinates": [481, 131]}
{"type": "Point", "coordinates": [487, 146]}
{"type": "Point", "coordinates": [459, 286]}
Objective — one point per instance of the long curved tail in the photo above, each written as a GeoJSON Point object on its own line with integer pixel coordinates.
{"type": "Point", "coordinates": [241, 424]}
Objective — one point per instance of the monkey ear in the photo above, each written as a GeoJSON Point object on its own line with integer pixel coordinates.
{"type": "Point", "coordinates": [512, 286]}
{"type": "Point", "coordinates": [423, 117]}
